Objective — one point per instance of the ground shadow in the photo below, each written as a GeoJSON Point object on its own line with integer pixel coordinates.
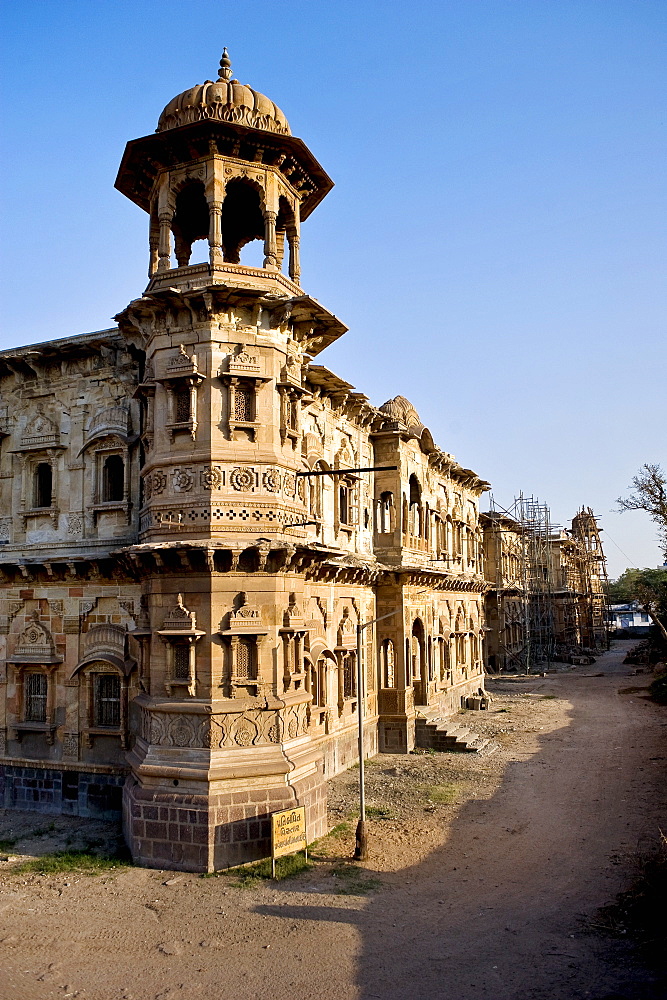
{"type": "Point", "coordinates": [503, 910]}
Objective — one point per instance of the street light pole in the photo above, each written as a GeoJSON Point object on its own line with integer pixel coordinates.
{"type": "Point", "coordinates": [361, 842]}
{"type": "Point", "coordinates": [361, 848]}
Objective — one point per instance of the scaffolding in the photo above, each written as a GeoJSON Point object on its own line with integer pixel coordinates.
{"type": "Point", "coordinates": [595, 626]}
{"type": "Point", "coordinates": [536, 532]}
{"type": "Point", "coordinates": [560, 590]}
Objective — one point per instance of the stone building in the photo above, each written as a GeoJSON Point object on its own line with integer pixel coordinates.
{"type": "Point", "coordinates": [506, 610]}
{"type": "Point", "coordinates": [196, 518]}
{"type": "Point", "coordinates": [546, 587]}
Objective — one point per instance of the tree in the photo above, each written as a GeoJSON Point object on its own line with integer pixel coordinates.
{"type": "Point", "coordinates": [649, 587]}
{"type": "Point", "coordinates": [650, 494]}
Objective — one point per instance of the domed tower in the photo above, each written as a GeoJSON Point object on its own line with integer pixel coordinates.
{"type": "Point", "coordinates": [224, 516]}
{"type": "Point", "coordinates": [222, 167]}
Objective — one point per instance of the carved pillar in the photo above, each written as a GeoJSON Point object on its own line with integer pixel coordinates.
{"type": "Point", "coordinates": [215, 234]}
{"type": "Point", "coordinates": [182, 249]}
{"type": "Point", "coordinates": [270, 246]}
{"type": "Point", "coordinates": [280, 248]}
{"type": "Point", "coordinates": [294, 264]}
{"type": "Point", "coordinates": [153, 245]}
{"type": "Point", "coordinates": [164, 244]}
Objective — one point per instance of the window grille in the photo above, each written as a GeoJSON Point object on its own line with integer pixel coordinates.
{"type": "Point", "coordinates": [182, 662]}
{"type": "Point", "coordinates": [183, 405]}
{"type": "Point", "coordinates": [349, 677]}
{"type": "Point", "coordinates": [43, 485]}
{"type": "Point", "coordinates": [243, 404]}
{"type": "Point", "coordinates": [245, 658]}
{"type": "Point", "coordinates": [107, 700]}
{"type": "Point", "coordinates": [35, 708]}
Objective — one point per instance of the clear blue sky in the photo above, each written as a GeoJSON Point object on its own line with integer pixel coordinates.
{"type": "Point", "coordinates": [495, 240]}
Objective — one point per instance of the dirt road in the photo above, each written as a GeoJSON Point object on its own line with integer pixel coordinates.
{"type": "Point", "coordinates": [488, 898]}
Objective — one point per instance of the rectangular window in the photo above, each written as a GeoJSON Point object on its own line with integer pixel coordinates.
{"type": "Point", "coordinates": [182, 662]}
{"type": "Point", "coordinates": [43, 485]}
{"type": "Point", "coordinates": [35, 702]}
{"type": "Point", "coordinates": [344, 503]}
{"type": "Point", "coordinates": [245, 658]}
{"type": "Point", "coordinates": [244, 404]}
{"type": "Point", "coordinates": [107, 700]}
{"type": "Point", "coordinates": [349, 676]}
{"type": "Point", "coordinates": [182, 405]}
{"type": "Point", "coordinates": [113, 479]}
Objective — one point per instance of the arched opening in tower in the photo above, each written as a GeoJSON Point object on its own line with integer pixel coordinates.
{"type": "Point", "coordinates": [190, 222]}
{"type": "Point", "coordinates": [242, 219]}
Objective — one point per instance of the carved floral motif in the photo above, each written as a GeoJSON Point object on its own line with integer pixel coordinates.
{"type": "Point", "coordinates": [271, 480]}
{"type": "Point", "coordinates": [242, 479]}
{"type": "Point", "coordinates": [211, 478]}
{"type": "Point", "coordinates": [159, 481]}
{"type": "Point", "coordinates": [182, 480]}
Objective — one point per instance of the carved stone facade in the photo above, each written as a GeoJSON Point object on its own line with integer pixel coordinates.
{"type": "Point", "coordinates": [195, 534]}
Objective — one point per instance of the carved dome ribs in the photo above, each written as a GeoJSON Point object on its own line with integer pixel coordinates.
{"type": "Point", "coordinates": [400, 408]}
{"type": "Point", "coordinates": [226, 100]}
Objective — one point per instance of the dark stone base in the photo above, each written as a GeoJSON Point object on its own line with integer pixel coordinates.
{"type": "Point", "coordinates": [204, 833]}
{"type": "Point", "coordinates": [61, 791]}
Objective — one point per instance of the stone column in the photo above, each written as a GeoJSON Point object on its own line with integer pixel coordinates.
{"type": "Point", "coordinates": [164, 245]}
{"type": "Point", "coordinates": [294, 264]}
{"type": "Point", "coordinates": [153, 244]}
{"type": "Point", "coordinates": [270, 246]}
{"type": "Point", "coordinates": [215, 234]}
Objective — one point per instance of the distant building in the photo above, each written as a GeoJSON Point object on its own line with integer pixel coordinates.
{"type": "Point", "coordinates": [628, 616]}
{"type": "Point", "coordinates": [545, 599]}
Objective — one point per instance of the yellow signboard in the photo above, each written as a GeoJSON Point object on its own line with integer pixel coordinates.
{"type": "Point", "coordinates": [288, 831]}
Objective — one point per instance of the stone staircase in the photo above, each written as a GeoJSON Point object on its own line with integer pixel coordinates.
{"type": "Point", "coordinates": [432, 732]}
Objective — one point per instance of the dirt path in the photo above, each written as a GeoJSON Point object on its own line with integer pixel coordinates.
{"type": "Point", "coordinates": [487, 897]}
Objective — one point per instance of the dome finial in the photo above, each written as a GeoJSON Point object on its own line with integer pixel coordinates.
{"type": "Point", "coordinates": [225, 71]}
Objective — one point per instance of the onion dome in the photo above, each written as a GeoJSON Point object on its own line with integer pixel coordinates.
{"type": "Point", "coordinates": [226, 100]}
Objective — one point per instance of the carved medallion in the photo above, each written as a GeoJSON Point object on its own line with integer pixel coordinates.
{"type": "Point", "coordinates": [210, 478]}
{"type": "Point", "coordinates": [271, 480]}
{"type": "Point", "coordinates": [242, 479]}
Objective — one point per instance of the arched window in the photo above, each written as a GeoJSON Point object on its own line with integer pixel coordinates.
{"type": "Point", "coordinates": [191, 220]}
{"type": "Point", "coordinates": [35, 697]}
{"type": "Point", "coordinates": [43, 485]}
{"type": "Point", "coordinates": [242, 219]}
{"type": "Point", "coordinates": [385, 509]}
{"type": "Point", "coordinates": [415, 519]}
{"type": "Point", "coordinates": [113, 479]}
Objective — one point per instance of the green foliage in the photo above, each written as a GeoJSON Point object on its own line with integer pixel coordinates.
{"type": "Point", "coordinates": [442, 794]}
{"type": "Point", "coordinates": [252, 876]}
{"type": "Point", "coordinates": [353, 881]}
{"type": "Point", "coordinates": [82, 862]}
{"type": "Point", "coordinates": [8, 843]}
{"type": "Point", "coordinates": [338, 829]}
{"type": "Point", "coordinates": [636, 582]}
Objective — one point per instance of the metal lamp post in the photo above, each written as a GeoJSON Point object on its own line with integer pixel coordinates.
{"type": "Point", "coordinates": [361, 842]}
{"type": "Point", "coordinates": [361, 849]}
